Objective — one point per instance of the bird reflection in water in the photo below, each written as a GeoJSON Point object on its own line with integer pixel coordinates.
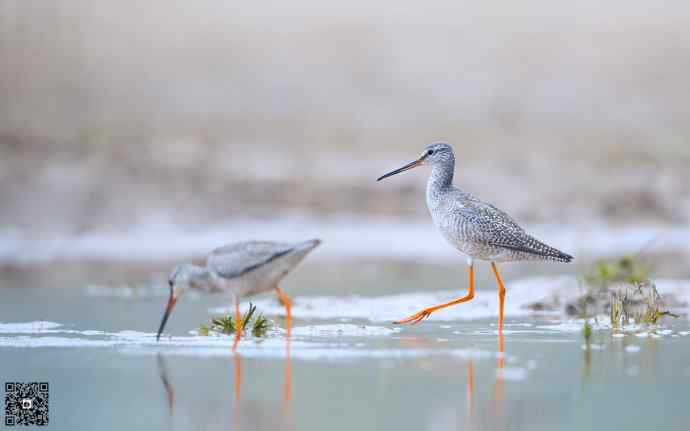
{"type": "Point", "coordinates": [169, 389]}
{"type": "Point", "coordinates": [287, 386]}
{"type": "Point", "coordinates": [499, 388]}
{"type": "Point", "coordinates": [498, 391]}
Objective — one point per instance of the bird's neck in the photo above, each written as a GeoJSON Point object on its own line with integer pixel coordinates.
{"type": "Point", "coordinates": [440, 180]}
{"type": "Point", "coordinates": [442, 175]}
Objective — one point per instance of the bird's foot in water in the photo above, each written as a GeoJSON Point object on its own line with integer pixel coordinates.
{"type": "Point", "coordinates": [416, 318]}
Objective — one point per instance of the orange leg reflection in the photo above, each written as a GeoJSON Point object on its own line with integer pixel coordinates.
{"type": "Point", "coordinates": [238, 376]}
{"type": "Point", "coordinates": [285, 300]}
{"type": "Point", "coordinates": [236, 416]}
{"type": "Point", "coordinates": [499, 388]}
{"type": "Point", "coordinates": [287, 390]}
{"type": "Point", "coordinates": [470, 388]}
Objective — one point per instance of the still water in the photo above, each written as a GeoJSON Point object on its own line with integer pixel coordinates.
{"type": "Point", "coordinates": [340, 370]}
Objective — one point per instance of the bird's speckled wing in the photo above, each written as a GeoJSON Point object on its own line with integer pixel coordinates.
{"type": "Point", "coordinates": [483, 223]}
{"type": "Point", "coordinates": [492, 226]}
{"type": "Point", "coordinates": [234, 260]}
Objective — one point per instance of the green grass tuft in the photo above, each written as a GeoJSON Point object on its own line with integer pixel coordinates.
{"type": "Point", "coordinates": [258, 326]}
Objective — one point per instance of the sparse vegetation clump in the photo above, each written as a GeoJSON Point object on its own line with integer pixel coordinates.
{"type": "Point", "coordinates": [623, 288]}
{"type": "Point", "coordinates": [638, 302]}
{"type": "Point", "coordinates": [227, 325]}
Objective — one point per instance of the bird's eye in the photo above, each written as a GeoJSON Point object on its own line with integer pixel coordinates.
{"type": "Point", "coordinates": [429, 152]}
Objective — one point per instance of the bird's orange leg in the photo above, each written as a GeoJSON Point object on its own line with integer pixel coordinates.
{"type": "Point", "coordinates": [238, 321]}
{"type": "Point", "coordinates": [418, 317]}
{"type": "Point", "coordinates": [288, 308]}
{"type": "Point", "coordinates": [501, 296]}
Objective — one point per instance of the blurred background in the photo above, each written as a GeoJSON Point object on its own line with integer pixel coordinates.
{"type": "Point", "coordinates": [144, 127]}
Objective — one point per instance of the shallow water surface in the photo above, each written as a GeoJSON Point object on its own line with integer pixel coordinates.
{"type": "Point", "coordinates": [345, 366]}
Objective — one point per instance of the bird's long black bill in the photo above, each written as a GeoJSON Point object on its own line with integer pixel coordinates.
{"type": "Point", "coordinates": [407, 167]}
{"type": "Point", "coordinates": [168, 310]}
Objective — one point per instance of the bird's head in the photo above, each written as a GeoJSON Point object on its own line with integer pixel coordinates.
{"type": "Point", "coordinates": [438, 153]}
{"type": "Point", "coordinates": [181, 278]}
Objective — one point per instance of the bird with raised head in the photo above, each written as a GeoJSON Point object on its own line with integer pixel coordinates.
{"type": "Point", "coordinates": [476, 228]}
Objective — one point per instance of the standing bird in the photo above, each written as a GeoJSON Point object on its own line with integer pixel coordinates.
{"type": "Point", "coordinates": [242, 269]}
{"type": "Point", "coordinates": [477, 229]}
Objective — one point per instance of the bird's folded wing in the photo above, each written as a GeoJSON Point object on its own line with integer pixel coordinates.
{"type": "Point", "coordinates": [485, 224]}
{"type": "Point", "coordinates": [234, 260]}
{"type": "Point", "coordinates": [496, 228]}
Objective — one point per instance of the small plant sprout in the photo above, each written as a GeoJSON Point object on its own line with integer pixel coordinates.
{"type": "Point", "coordinates": [587, 331]}
{"type": "Point", "coordinates": [226, 324]}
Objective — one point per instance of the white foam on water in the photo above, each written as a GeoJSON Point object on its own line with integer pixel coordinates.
{"type": "Point", "coordinates": [92, 333]}
{"type": "Point", "coordinates": [42, 342]}
{"type": "Point", "coordinates": [28, 327]}
{"type": "Point", "coordinates": [388, 308]}
{"type": "Point", "coordinates": [136, 342]}
{"type": "Point", "coordinates": [567, 326]}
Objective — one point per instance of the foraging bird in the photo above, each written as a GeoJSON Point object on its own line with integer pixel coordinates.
{"type": "Point", "coordinates": [242, 269]}
{"type": "Point", "coordinates": [476, 228]}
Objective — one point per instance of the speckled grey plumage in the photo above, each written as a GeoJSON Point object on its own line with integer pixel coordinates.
{"type": "Point", "coordinates": [476, 228]}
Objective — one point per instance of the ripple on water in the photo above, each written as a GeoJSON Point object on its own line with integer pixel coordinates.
{"type": "Point", "coordinates": [28, 327]}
